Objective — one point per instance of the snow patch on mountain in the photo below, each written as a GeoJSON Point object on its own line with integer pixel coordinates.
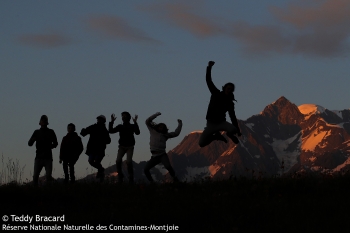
{"type": "Point", "coordinates": [310, 109]}
{"type": "Point", "coordinates": [193, 172]}
{"type": "Point", "coordinates": [339, 113]}
{"type": "Point", "coordinates": [162, 169]}
{"type": "Point", "coordinates": [214, 168]}
{"type": "Point", "coordinates": [250, 126]}
{"type": "Point", "coordinates": [280, 149]}
{"type": "Point", "coordinates": [313, 139]}
{"type": "Point", "coordinates": [228, 152]}
{"type": "Point", "coordinates": [196, 132]}
{"type": "Point", "coordinates": [341, 125]}
{"type": "Point", "coordinates": [312, 159]}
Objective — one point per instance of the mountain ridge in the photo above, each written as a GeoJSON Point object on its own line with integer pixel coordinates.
{"type": "Point", "coordinates": [283, 138]}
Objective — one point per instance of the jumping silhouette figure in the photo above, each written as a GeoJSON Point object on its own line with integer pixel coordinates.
{"type": "Point", "coordinates": [159, 136]}
{"type": "Point", "coordinates": [45, 140]}
{"type": "Point", "coordinates": [126, 143]}
{"type": "Point", "coordinates": [70, 150]}
{"type": "Point", "coordinates": [220, 103]}
{"type": "Point", "coordinates": [99, 138]}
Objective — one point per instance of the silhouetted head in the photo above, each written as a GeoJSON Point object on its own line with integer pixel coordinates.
{"type": "Point", "coordinates": [101, 119]}
{"type": "Point", "coordinates": [228, 88]}
{"type": "Point", "coordinates": [126, 117]}
{"type": "Point", "coordinates": [44, 121]}
{"type": "Point", "coordinates": [71, 128]}
{"type": "Point", "coordinates": [161, 128]}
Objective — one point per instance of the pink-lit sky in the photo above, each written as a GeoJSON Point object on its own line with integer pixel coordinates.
{"type": "Point", "coordinates": [75, 60]}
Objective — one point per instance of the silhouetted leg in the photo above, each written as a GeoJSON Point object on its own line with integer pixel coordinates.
{"type": "Point", "coordinates": [233, 138]}
{"type": "Point", "coordinates": [71, 171]}
{"type": "Point", "coordinates": [48, 169]}
{"type": "Point", "coordinates": [231, 130]}
{"type": "Point", "coordinates": [150, 164]}
{"type": "Point", "coordinates": [65, 170]}
{"type": "Point", "coordinates": [101, 169]}
{"type": "Point", "coordinates": [92, 161]}
{"type": "Point", "coordinates": [207, 137]}
{"type": "Point", "coordinates": [167, 165]}
{"type": "Point", "coordinates": [95, 161]}
{"type": "Point", "coordinates": [212, 132]}
{"type": "Point", "coordinates": [129, 154]}
{"type": "Point", "coordinates": [119, 161]}
{"type": "Point", "coordinates": [38, 166]}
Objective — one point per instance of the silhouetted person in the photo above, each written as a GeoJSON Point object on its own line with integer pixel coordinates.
{"type": "Point", "coordinates": [70, 150]}
{"type": "Point", "coordinates": [220, 103]}
{"type": "Point", "coordinates": [99, 138]}
{"type": "Point", "coordinates": [159, 136]}
{"type": "Point", "coordinates": [45, 140]}
{"type": "Point", "coordinates": [126, 143]}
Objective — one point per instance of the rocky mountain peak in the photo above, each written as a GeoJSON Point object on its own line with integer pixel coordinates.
{"type": "Point", "coordinates": [284, 111]}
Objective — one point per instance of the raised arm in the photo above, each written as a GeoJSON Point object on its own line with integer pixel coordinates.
{"type": "Point", "coordinates": [110, 125]}
{"type": "Point", "coordinates": [85, 131]}
{"type": "Point", "coordinates": [177, 130]}
{"type": "Point", "coordinates": [210, 84]}
{"type": "Point", "coordinates": [136, 126]}
{"type": "Point", "coordinates": [151, 118]}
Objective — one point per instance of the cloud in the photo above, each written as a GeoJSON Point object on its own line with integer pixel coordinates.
{"type": "Point", "coordinates": [114, 27]}
{"type": "Point", "coordinates": [183, 15]}
{"type": "Point", "coordinates": [325, 14]}
{"type": "Point", "coordinates": [260, 39]}
{"type": "Point", "coordinates": [322, 27]}
{"type": "Point", "coordinates": [44, 40]}
{"type": "Point", "coordinates": [319, 28]}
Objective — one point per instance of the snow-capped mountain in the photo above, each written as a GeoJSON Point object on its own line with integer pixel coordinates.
{"type": "Point", "coordinates": [283, 138]}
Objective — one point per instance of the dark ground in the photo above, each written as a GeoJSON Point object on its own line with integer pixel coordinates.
{"type": "Point", "coordinates": [305, 204]}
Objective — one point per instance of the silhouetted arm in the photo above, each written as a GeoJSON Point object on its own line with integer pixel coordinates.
{"type": "Point", "coordinates": [85, 131]}
{"type": "Point", "coordinates": [177, 130]}
{"type": "Point", "coordinates": [80, 146]}
{"type": "Point", "coordinates": [136, 129]}
{"type": "Point", "coordinates": [151, 118]}
{"type": "Point", "coordinates": [108, 138]}
{"type": "Point", "coordinates": [210, 84]}
{"type": "Point", "coordinates": [232, 114]}
{"type": "Point", "coordinates": [54, 140]}
{"type": "Point", "coordinates": [32, 139]}
{"type": "Point", "coordinates": [111, 129]}
{"type": "Point", "coordinates": [61, 150]}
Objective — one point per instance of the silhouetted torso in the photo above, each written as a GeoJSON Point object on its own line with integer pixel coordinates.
{"type": "Point", "coordinates": [71, 147]}
{"type": "Point", "coordinates": [219, 104]}
{"type": "Point", "coordinates": [99, 138]}
{"type": "Point", "coordinates": [45, 141]}
{"type": "Point", "coordinates": [126, 133]}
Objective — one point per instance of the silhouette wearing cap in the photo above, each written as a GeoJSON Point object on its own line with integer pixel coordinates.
{"type": "Point", "coordinates": [45, 140]}
{"type": "Point", "coordinates": [95, 149]}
